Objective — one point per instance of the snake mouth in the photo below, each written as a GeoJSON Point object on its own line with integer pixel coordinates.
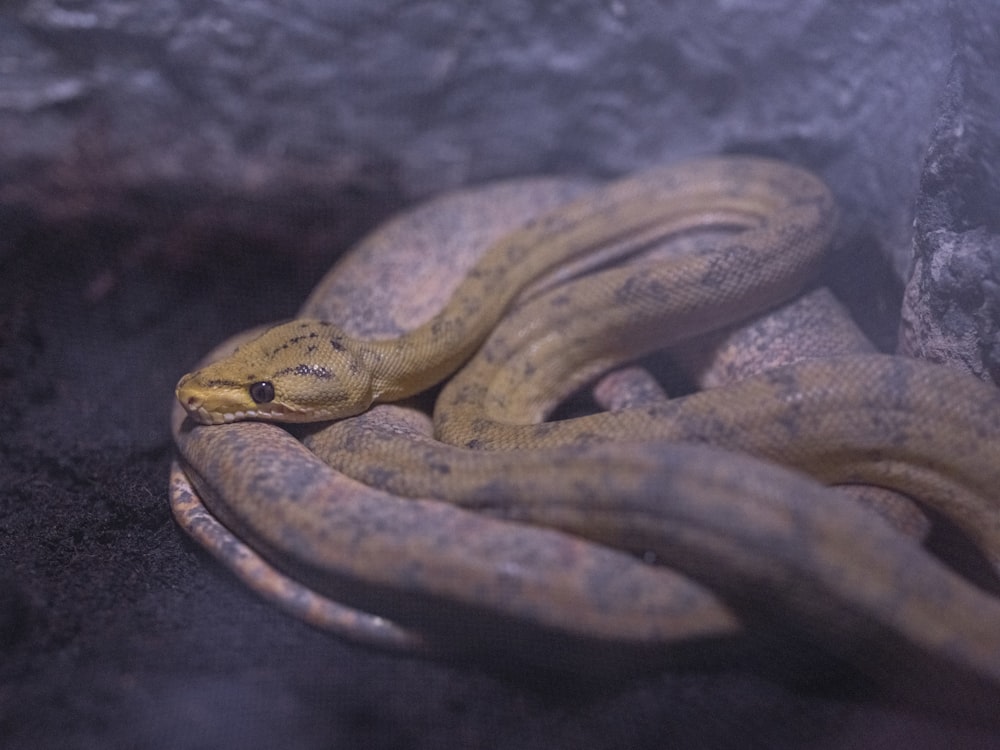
{"type": "Point", "coordinates": [204, 416]}
{"type": "Point", "coordinates": [195, 408]}
{"type": "Point", "coordinates": [197, 411]}
{"type": "Point", "coordinates": [210, 408]}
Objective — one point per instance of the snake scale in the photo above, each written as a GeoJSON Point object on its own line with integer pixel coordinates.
{"type": "Point", "coordinates": [650, 527]}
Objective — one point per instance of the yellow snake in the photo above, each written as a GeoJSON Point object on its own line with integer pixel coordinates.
{"type": "Point", "coordinates": [751, 530]}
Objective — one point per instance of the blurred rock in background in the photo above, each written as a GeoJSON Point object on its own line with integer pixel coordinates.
{"type": "Point", "coordinates": [196, 128]}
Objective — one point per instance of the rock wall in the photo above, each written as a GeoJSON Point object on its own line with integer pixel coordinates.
{"type": "Point", "coordinates": [295, 126]}
{"type": "Point", "coordinates": [951, 311]}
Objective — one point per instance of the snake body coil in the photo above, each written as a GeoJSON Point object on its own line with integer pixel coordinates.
{"type": "Point", "coordinates": [754, 532]}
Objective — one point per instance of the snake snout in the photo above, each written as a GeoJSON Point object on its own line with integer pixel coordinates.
{"type": "Point", "coordinates": [191, 402]}
{"type": "Point", "coordinates": [187, 396]}
{"type": "Point", "coordinates": [184, 394]}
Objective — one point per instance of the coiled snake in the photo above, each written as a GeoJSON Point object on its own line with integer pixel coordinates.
{"type": "Point", "coordinates": [647, 528]}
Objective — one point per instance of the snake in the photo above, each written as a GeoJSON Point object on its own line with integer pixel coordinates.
{"type": "Point", "coordinates": [554, 507]}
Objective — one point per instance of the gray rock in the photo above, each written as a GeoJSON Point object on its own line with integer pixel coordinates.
{"type": "Point", "coordinates": [951, 311]}
{"type": "Point", "coordinates": [198, 125]}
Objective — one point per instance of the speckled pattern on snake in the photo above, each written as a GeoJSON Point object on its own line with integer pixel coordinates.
{"type": "Point", "coordinates": [619, 536]}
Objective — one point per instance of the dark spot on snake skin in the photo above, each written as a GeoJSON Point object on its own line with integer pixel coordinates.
{"type": "Point", "coordinates": [303, 337]}
{"type": "Point", "coordinates": [472, 306]}
{"type": "Point", "coordinates": [900, 385]}
{"type": "Point", "coordinates": [444, 327]}
{"type": "Point", "coordinates": [721, 266]}
{"type": "Point", "coordinates": [307, 370]}
{"type": "Point", "coordinates": [217, 382]}
{"type": "Point", "coordinates": [784, 380]}
{"type": "Point", "coordinates": [516, 252]}
{"type": "Point", "coordinates": [791, 233]}
{"type": "Point", "coordinates": [544, 428]}
{"type": "Point", "coordinates": [590, 438]}
{"type": "Point", "coordinates": [351, 441]}
{"type": "Point", "coordinates": [638, 287]}
{"type": "Point", "coordinates": [493, 494]}
{"type": "Point", "coordinates": [439, 467]}
{"type": "Point", "coordinates": [379, 477]}
{"type": "Point", "coordinates": [315, 371]}
{"type": "Point", "coordinates": [791, 420]}
{"type": "Point", "coordinates": [337, 345]}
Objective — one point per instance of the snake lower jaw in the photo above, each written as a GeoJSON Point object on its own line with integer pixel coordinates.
{"type": "Point", "coordinates": [198, 412]}
{"type": "Point", "coordinates": [203, 416]}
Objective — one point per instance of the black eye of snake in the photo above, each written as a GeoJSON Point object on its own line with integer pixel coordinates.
{"type": "Point", "coordinates": [262, 392]}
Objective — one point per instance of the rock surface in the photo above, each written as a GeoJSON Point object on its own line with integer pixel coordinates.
{"type": "Point", "coordinates": [951, 310]}
{"type": "Point", "coordinates": [129, 109]}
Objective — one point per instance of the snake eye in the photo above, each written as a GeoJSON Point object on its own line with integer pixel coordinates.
{"type": "Point", "coordinates": [262, 392]}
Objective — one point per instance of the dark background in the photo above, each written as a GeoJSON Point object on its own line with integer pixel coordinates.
{"type": "Point", "coordinates": [175, 173]}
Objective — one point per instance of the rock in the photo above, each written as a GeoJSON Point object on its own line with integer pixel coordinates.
{"type": "Point", "coordinates": [195, 130]}
{"type": "Point", "coordinates": [951, 310]}
{"type": "Point", "coordinates": [131, 110]}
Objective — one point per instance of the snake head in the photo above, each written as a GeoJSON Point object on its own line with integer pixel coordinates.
{"type": "Point", "coordinates": [302, 371]}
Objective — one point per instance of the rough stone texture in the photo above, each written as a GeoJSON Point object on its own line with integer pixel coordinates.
{"type": "Point", "coordinates": [131, 108]}
{"type": "Point", "coordinates": [172, 172]}
{"type": "Point", "coordinates": [951, 310]}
